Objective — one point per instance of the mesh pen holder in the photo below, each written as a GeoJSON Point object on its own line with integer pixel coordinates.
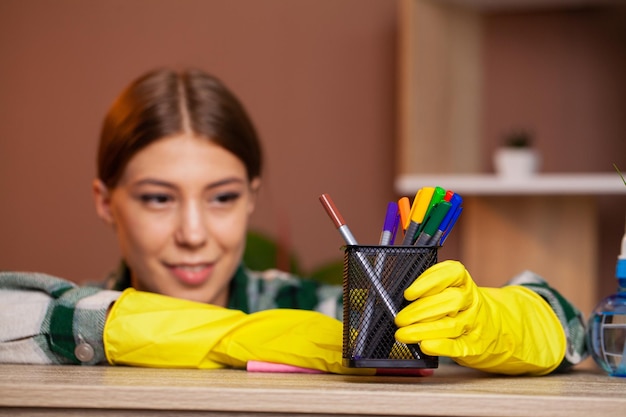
{"type": "Point", "coordinates": [374, 280]}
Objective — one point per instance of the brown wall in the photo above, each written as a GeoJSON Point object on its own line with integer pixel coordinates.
{"type": "Point", "coordinates": [317, 76]}
{"type": "Point", "coordinates": [561, 75]}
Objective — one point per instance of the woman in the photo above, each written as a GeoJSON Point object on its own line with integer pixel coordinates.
{"type": "Point", "coordinates": [179, 168]}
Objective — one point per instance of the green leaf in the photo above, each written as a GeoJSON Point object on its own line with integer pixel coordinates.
{"type": "Point", "coordinates": [330, 273]}
{"type": "Point", "coordinates": [262, 253]}
{"type": "Point", "coordinates": [620, 174]}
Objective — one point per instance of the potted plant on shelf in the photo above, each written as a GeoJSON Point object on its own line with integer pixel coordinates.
{"type": "Point", "coordinates": [517, 158]}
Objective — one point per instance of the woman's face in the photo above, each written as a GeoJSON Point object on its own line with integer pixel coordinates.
{"type": "Point", "coordinates": [180, 212]}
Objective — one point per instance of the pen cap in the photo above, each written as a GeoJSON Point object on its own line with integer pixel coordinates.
{"type": "Point", "coordinates": [420, 204]}
{"type": "Point", "coordinates": [331, 210]}
{"type": "Point", "coordinates": [404, 207]}
{"type": "Point", "coordinates": [436, 217]}
{"type": "Point", "coordinates": [390, 216]}
{"type": "Point", "coordinates": [438, 195]}
{"type": "Point", "coordinates": [390, 224]}
{"type": "Point", "coordinates": [455, 202]}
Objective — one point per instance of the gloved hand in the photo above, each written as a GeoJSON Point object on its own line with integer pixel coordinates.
{"type": "Point", "coordinates": [509, 330]}
{"type": "Point", "coordinates": [152, 330]}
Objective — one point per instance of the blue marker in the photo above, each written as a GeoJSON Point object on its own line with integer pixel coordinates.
{"type": "Point", "coordinates": [451, 225]}
{"type": "Point", "coordinates": [456, 201]}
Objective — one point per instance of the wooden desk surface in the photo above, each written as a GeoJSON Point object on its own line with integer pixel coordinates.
{"type": "Point", "coordinates": [452, 391]}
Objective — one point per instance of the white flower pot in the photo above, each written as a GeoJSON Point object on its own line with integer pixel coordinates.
{"type": "Point", "coordinates": [516, 162]}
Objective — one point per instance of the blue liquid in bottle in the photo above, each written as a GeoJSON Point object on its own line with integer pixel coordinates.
{"type": "Point", "coordinates": [606, 333]}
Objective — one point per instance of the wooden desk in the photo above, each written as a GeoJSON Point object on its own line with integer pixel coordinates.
{"type": "Point", "coordinates": [453, 391]}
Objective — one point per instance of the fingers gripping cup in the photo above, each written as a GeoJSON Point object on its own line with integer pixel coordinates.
{"type": "Point", "coordinates": [374, 280]}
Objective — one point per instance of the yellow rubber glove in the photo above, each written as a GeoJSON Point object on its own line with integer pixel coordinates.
{"type": "Point", "coordinates": [509, 330]}
{"type": "Point", "coordinates": [152, 330]}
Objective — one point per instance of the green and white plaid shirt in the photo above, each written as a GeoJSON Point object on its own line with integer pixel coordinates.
{"type": "Point", "coordinates": [48, 320]}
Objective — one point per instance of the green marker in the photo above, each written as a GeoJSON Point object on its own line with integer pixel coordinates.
{"type": "Point", "coordinates": [438, 196]}
{"type": "Point", "coordinates": [432, 223]}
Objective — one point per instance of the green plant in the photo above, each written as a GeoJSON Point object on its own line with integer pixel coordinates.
{"type": "Point", "coordinates": [263, 252]}
{"type": "Point", "coordinates": [518, 139]}
{"type": "Point", "coordinates": [330, 273]}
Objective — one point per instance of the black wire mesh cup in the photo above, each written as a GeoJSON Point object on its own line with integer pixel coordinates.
{"type": "Point", "coordinates": [374, 280]}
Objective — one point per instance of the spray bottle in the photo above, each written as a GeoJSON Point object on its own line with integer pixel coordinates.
{"type": "Point", "coordinates": [606, 332]}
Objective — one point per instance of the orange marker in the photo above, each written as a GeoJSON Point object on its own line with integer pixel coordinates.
{"type": "Point", "coordinates": [404, 206]}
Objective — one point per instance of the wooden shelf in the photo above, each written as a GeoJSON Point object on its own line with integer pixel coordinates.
{"type": "Point", "coordinates": [547, 223]}
{"type": "Point", "coordinates": [494, 185]}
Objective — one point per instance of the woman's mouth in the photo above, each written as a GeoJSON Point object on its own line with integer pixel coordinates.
{"type": "Point", "coordinates": [195, 274]}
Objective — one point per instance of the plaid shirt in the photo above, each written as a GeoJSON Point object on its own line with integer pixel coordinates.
{"type": "Point", "coordinates": [48, 320]}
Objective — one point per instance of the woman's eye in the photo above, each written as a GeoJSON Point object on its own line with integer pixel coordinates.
{"type": "Point", "coordinates": [155, 199]}
{"type": "Point", "coordinates": [226, 198]}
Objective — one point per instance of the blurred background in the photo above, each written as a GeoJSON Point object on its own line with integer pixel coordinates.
{"type": "Point", "coordinates": [320, 80]}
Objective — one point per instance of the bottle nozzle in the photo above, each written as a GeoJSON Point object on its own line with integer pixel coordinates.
{"type": "Point", "coordinates": [620, 270]}
{"type": "Point", "coordinates": [622, 254]}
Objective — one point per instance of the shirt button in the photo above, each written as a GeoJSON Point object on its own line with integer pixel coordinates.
{"type": "Point", "coordinates": [84, 352]}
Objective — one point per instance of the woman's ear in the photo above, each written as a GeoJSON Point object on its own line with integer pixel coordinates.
{"type": "Point", "coordinates": [255, 185]}
{"type": "Point", "coordinates": [102, 199]}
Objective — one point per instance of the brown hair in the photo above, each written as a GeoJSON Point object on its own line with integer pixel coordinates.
{"type": "Point", "coordinates": [164, 103]}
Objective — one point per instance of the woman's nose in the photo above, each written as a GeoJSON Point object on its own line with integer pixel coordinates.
{"type": "Point", "coordinates": [192, 229]}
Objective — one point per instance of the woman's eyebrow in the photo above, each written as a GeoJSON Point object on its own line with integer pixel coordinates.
{"type": "Point", "coordinates": [153, 181]}
{"type": "Point", "coordinates": [226, 181]}
{"type": "Point", "coordinates": [163, 183]}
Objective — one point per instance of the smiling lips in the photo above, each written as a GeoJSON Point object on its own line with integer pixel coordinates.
{"type": "Point", "coordinates": [195, 274]}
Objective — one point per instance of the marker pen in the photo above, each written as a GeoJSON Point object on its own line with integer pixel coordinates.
{"type": "Point", "coordinates": [404, 207]}
{"type": "Point", "coordinates": [390, 224]}
{"type": "Point", "coordinates": [456, 202]}
{"type": "Point", "coordinates": [433, 222]}
{"type": "Point", "coordinates": [418, 210]}
{"type": "Point", "coordinates": [337, 219]}
{"type": "Point", "coordinates": [451, 225]}
{"type": "Point", "coordinates": [341, 225]}
{"type": "Point", "coordinates": [438, 195]}
{"type": "Point", "coordinates": [395, 227]}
